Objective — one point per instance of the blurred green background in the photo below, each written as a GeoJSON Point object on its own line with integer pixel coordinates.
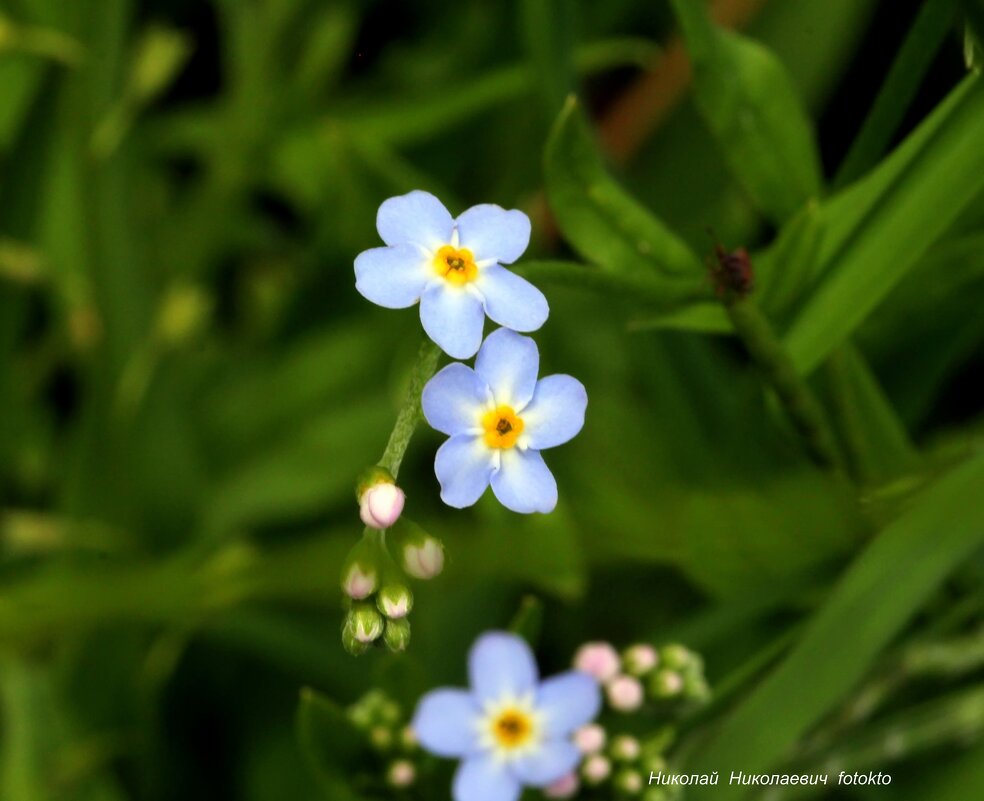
{"type": "Point", "coordinates": [189, 383]}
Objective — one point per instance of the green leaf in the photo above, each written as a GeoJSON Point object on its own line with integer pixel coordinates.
{"type": "Point", "coordinates": [876, 230]}
{"type": "Point", "coordinates": [331, 744]}
{"type": "Point", "coordinates": [874, 600]}
{"type": "Point", "coordinates": [603, 223]}
{"type": "Point", "coordinates": [548, 31]}
{"type": "Point", "coordinates": [921, 44]}
{"type": "Point", "coordinates": [752, 107]}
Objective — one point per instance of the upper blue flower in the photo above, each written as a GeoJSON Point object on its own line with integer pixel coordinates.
{"type": "Point", "coordinates": [499, 418]}
{"type": "Point", "coordinates": [510, 730]}
{"type": "Point", "coordinates": [453, 267]}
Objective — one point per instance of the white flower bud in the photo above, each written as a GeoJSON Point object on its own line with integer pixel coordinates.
{"type": "Point", "coordinates": [640, 659]}
{"type": "Point", "coordinates": [625, 693]}
{"type": "Point", "coordinates": [598, 659]}
{"type": "Point", "coordinates": [625, 748]}
{"type": "Point", "coordinates": [401, 774]}
{"type": "Point", "coordinates": [565, 787]}
{"type": "Point", "coordinates": [596, 769]}
{"type": "Point", "coordinates": [394, 601]}
{"type": "Point", "coordinates": [359, 582]}
{"type": "Point", "coordinates": [381, 505]}
{"type": "Point", "coordinates": [590, 739]}
{"type": "Point", "coordinates": [423, 558]}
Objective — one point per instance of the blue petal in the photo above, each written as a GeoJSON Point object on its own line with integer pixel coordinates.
{"type": "Point", "coordinates": [453, 318]}
{"type": "Point", "coordinates": [454, 400]}
{"type": "Point", "coordinates": [524, 483]}
{"type": "Point", "coordinates": [463, 465]}
{"type": "Point", "coordinates": [501, 665]}
{"type": "Point", "coordinates": [553, 759]}
{"type": "Point", "coordinates": [556, 413]}
{"type": "Point", "coordinates": [508, 363]}
{"type": "Point", "coordinates": [567, 702]}
{"type": "Point", "coordinates": [416, 218]}
{"type": "Point", "coordinates": [492, 232]}
{"type": "Point", "coordinates": [391, 277]}
{"type": "Point", "coordinates": [445, 723]}
{"type": "Point", "coordinates": [482, 779]}
{"type": "Point", "coordinates": [512, 301]}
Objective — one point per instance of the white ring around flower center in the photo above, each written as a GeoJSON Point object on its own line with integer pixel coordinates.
{"type": "Point", "coordinates": [510, 727]}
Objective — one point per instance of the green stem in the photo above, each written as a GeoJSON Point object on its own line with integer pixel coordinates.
{"type": "Point", "coordinates": [410, 413]}
{"type": "Point", "coordinates": [797, 398]}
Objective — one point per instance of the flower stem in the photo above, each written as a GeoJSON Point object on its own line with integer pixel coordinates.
{"type": "Point", "coordinates": [802, 406]}
{"type": "Point", "coordinates": [410, 412]}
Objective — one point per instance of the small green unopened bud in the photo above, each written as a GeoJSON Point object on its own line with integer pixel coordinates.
{"type": "Point", "coordinates": [395, 601]}
{"type": "Point", "coordinates": [397, 635]}
{"type": "Point", "coordinates": [595, 769]}
{"type": "Point", "coordinates": [628, 782]}
{"type": "Point", "coordinates": [365, 622]}
{"type": "Point", "coordinates": [695, 686]}
{"type": "Point", "coordinates": [381, 738]}
{"type": "Point", "coordinates": [676, 657]}
{"type": "Point", "coordinates": [665, 683]}
{"type": "Point", "coordinates": [350, 643]}
{"type": "Point", "coordinates": [360, 573]}
{"type": "Point", "coordinates": [625, 748]}
{"type": "Point", "coordinates": [408, 738]}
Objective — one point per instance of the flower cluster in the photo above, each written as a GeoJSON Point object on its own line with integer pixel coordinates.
{"type": "Point", "coordinates": [497, 415]}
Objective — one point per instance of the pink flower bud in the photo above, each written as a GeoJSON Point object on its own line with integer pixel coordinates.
{"type": "Point", "coordinates": [598, 659]}
{"type": "Point", "coordinates": [640, 659]}
{"type": "Point", "coordinates": [423, 558]}
{"type": "Point", "coordinates": [358, 583]}
{"type": "Point", "coordinates": [625, 693]}
{"type": "Point", "coordinates": [565, 787]}
{"type": "Point", "coordinates": [401, 773]}
{"type": "Point", "coordinates": [590, 739]}
{"type": "Point", "coordinates": [596, 769]}
{"type": "Point", "coordinates": [381, 505]}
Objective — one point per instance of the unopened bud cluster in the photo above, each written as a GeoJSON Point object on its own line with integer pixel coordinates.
{"type": "Point", "coordinates": [374, 584]}
{"type": "Point", "coordinates": [618, 765]}
{"type": "Point", "coordinates": [384, 724]}
{"type": "Point", "coordinates": [612, 765]}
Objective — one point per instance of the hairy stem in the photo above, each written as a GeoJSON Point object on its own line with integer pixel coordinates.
{"type": "Point", "coordinates": [410, 413]}
{"type": "Point", "coordinates": [802, 406]}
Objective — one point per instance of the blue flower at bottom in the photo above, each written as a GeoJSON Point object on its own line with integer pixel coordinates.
{"type": "Point", "coordinates": [453, 267]}
{"type": "Point", "coordinates": [509, 730]}
{"type": "Point", "coordinates": [499, 418]}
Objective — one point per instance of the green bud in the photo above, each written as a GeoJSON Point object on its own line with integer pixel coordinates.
{"type": "Point", "coordinates": [665, 683]}
{"type": "Point", "coordinates": [625, 748]}
{"type": "Point", "coordinates": [381, 738]}
{"type": "Point", "coordinates": [628, 782]}
{"type": "Point", "coordinates": [360, 573]}
{"type": "Point", "coordinates": [351, 644]}
{"type": "Point", "coordinates": [390, 712]}
{"type": "Point", "coordinates": [365, 622]}
{"type": "Point", "coordinates": [676, 657]}
{"type": "Point", "coordinates": [397, 634]}
{"type": "Point", "coordinates": [395, 601]}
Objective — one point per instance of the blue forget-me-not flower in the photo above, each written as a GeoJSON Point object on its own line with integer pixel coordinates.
{"type": "Point", "coordinates": [499, 418]}
{"type": "Point", "coordinates": [453, 267]}
{"type": "Point", "coordinates": [510, 730]}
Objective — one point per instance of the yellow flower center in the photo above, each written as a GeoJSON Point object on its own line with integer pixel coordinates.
{"type": "Point", "coordinates": [502, 427]}
{"type": "Point", "coordinates": [457, 265]}
{"type": "Point", "coordinates": [512, 728]}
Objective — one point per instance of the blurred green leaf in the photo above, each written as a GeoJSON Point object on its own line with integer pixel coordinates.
{"type": "Point", "coordinates": [548, 31]}
{"type": "Point", "coordinates": [751, 105]}
{"type": "Point", "coordinates": [528, 621]}
{"type": "Point", "coordinates": [603, 223]}
{"type": "Point", "coordinates": [877, 229]}
{"type": "Point", "coordinates": [877, 596]}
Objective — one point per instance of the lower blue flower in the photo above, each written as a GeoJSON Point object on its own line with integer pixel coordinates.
{"type": "Point", "coordinates": [510, 730]}
{"type": "Point", "coordinates": [499, 417]}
